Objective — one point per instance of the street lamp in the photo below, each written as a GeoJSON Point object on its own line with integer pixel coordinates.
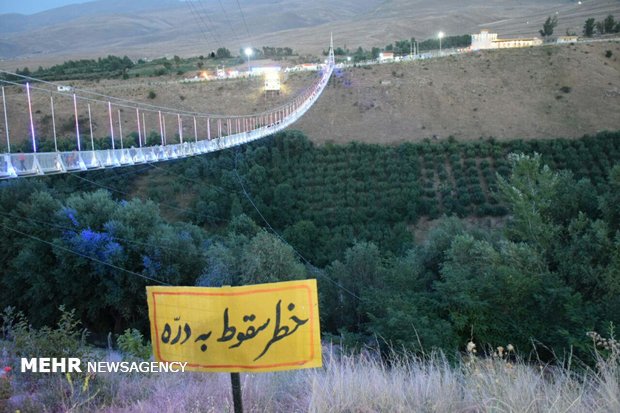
{"type": "Point", "coordinates": [248, 52]}
{"type": "Point", "coordinates": [440, 35]}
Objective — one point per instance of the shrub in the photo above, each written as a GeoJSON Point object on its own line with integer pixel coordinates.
{"type": "Point", "coordinates": [152, 94]}
{"type": "Point", "coordinates": [130, 343]}
{"type": "Point", "coordinates": [66, 340]}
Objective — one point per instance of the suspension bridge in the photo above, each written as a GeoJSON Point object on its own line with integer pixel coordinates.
{"type": "Point", "coordinates": [210, 132]}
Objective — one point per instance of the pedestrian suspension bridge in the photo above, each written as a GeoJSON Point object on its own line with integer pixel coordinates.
{"type": "Point", "coordinates": [210, 132]}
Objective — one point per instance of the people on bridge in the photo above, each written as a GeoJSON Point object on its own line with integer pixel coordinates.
{"type": "Point", "coordinates": [22, 161]}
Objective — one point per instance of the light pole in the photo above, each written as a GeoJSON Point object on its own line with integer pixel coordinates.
{"type": "Point", "coordinates": [248, 52]}
{"type": "Point", "coordinates": [440, 35]}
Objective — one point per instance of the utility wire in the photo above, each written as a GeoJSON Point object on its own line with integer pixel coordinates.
{"type": "Point", "coordinates": [244, 22]}
{"type": "Point", "coordinates": [79, 254]}
{"type": "Point", "coordinates": [232, 29]}
{"type": "Point", "coordinates": [159, 203]}
{"type": "Point", "coordinates": [62, 227]}
{"type": "Point", "coordinates": [202, 23]}
{"type": "Point", "coordinates": [281, 238]}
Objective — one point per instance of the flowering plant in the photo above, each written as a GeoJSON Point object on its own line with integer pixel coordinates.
{"type": "Point", "coordinates": [5, 383]}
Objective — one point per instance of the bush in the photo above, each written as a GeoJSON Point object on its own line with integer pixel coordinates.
{"type": "Point", "coordinates": [130, 343]}
{"type": "Point", "coordinates": [152, 94]}
{"type": "Point", "coordinates": [66, 340]}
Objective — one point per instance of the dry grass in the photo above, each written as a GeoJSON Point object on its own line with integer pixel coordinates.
{"type": "Point", "coordinates": [363, 383]}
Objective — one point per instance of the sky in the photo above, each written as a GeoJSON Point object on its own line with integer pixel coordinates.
{"type": "Point", "coordinates": [33, 6]}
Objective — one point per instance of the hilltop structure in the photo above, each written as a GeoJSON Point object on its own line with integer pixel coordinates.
{"type": "Point", "coordinates": [486, 40]}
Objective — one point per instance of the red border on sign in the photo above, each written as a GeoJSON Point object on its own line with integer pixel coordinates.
{"type": "Point", "coordinates": [259, 290]}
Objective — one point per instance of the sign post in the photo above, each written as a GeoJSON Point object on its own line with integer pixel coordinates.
{"type": "Point", "coordinates": [257, 328]}
{"type": "Point", "coordinates": [236, 392]}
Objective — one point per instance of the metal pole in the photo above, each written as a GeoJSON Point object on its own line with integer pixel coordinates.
{"type": "Point", "coordinates": [144, 129]}
{"type": "Point", "coordinates": [236, 392]}
{"type": "Point", "coordinates": [111, 124]}
{"type": "Point", "coordinates": [90, 123]}
{"type": "Point", "coordinates": [6, 122]}
{"type": "Point", "coordinates": [208, 129]}
{"type": "Point", "coordinates": [161, 129]}
{"type": "Point", "coordinates": [219, 128]}
{"type": "Point", "coordinates": [163, 121]}
{"type": "Point", "coordinates": [120, 127]}
{"type": "Point", "coordinates": [180, 128]}
{"type": "Point", "coordinates": [77, 124]}
{"type": "Point", "coordinates": [54, 123]}
{"type": "Point", "coordinates": [34, 142]}
{"type": "Point", "coordinates": [139, 133]}
{"type": "Point", "coordinates": [195, 130]}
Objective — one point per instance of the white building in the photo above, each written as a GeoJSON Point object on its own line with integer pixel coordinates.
{"type": "Point", "coordinates": [386, 56]}
{"type": "Point", "coordinates": [486, 40]}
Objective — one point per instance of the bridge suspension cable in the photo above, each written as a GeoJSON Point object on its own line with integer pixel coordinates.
{"type": "Point", "coordinates": [207, 132]}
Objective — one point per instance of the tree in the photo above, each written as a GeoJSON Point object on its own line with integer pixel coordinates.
{"type": "Point", "coordinates": [222, 53]}
{"type": "Point", "coordinates": [588, 27]}
{"type": "Point", "coordinates": [267, 259]}
{"type": "Point", "coordinates": [530, 191]}
{"type": "Point", "coordinates": [609, 24]}
{"type": "Point", "coordinates": [549, 25]}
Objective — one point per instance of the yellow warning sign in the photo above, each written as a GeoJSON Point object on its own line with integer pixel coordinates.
{"type": "Point", "coordinates": [264, 327]}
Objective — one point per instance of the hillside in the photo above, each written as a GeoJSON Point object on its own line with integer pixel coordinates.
{"type": "Point", "coordinates": [167, 27]}
{"type": "Point", "coordinates": [558, 91]}
{"type": "Point", "coordinates": [553, 91]}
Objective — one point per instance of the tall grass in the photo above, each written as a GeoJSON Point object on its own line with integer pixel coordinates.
{"type": "Point", "coordinates": [362, 383]}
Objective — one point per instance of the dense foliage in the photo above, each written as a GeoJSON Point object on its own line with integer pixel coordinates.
{"type": "Point", "coordinates": [107, 67]}
{"type": "Point", "coordinates": [348, 210]}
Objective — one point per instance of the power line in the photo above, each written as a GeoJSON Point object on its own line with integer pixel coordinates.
{"type": "Point", "coordinates": [244, 22]}
{"type": "Point", "coordinates": [201, 23]}
{"type": "Point", "coordinates": [281, 238]}
{"type": "Point", "coordinates": [232, 29]}
{"type": "Point", "coordinates": [62, 227]}
{"type": "Point", "coordinates": [79, 254]}
{"type": "Point", "coordinates": [159, 203]}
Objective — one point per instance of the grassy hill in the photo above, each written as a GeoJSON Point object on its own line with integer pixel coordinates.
{"type": "Point", "coordinates": [544, 92]}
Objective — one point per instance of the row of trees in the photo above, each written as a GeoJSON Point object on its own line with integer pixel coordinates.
{"type": "Point", "coordinates": [368, 191]}
{"type": "Point", "coordinates": [404, 47]}
{"type": "Point", "coordinates": [606, 26]}
{"type": "Point", "coordinates": [110, 66]}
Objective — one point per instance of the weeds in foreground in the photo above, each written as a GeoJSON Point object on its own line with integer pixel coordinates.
{"type": "Point", "coordinates": [361, 382]}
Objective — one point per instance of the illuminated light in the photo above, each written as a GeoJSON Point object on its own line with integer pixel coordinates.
{"type": "Point", "coordinates": [248, 51]}
{"type": "Point", "coordinates": [440, 35]}
{"type": "Point", "coordinates": [272, 79]}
